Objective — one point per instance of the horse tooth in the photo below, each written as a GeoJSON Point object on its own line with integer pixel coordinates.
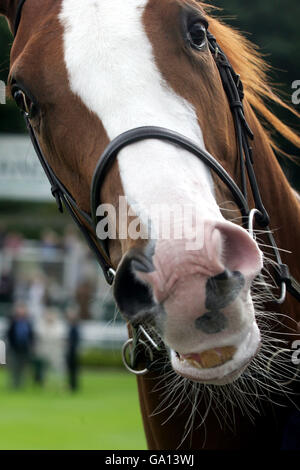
{"type": "Point", "coordinates": [210, 358]}
{"type": "Point", "coordinates": [217, 357]}
{"type": "Point", "coordinates": [195, 363]}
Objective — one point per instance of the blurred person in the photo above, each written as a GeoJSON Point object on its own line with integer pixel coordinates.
{"type": "Point", "coordinates": [84, 294]}
{"type": "Point", "coordinates": [20, 338]}
{"type": "Point", "coordinates": [49, 345]}
{"type": "Point", "coordinates": [36, 294]}
{"type": "Point", "coordinates": [6, 286]}
{"type": "Point", "coordinates": [56, 294]}
{"type": "Point", "coordinates": [71, 240]}
{"type": "Point", "coordinates": [13, 242]}
{"type": "Point", "coordinates": [3, 232]}
{"type": "Point", "coordinates": [50, 242]}
{"type": "Point", "coordinates": [22, 283]}
{"type": "Point", "coordinates": [72, 349]}
{"type": "Point", "coordinates": [75, 253]}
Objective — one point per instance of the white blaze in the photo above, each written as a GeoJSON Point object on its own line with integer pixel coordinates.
{"type": "Point", "coordinates": [111, 67]}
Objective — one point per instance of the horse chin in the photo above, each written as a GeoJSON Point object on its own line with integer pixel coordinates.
{"type": "Point", "coordinates": [219, 366]}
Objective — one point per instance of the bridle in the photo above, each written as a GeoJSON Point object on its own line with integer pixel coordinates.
{"type": "Point", "coordinates": [233, 88]}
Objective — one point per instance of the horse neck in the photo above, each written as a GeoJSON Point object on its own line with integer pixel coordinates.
{"type": "Point", "coordinates": [281, 202]}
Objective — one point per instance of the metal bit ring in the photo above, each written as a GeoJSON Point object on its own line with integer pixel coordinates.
{"type": "Point", "coordinates": [126, 345]}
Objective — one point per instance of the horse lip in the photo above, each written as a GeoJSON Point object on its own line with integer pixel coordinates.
{"type": "Point", "coordinates": [220, 374]}
{"type": "Point", "coordinates": [218, 380]}
{"type": "Point", "coordinates": [221, 380]}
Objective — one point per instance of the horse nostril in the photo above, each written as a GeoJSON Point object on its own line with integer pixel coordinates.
{"type": "Point", "coordinates": [223, 289]}
{"type": "Point", "coordinates": [133, 296]}
{"type": "Point", "coordinates": [211, 322]}
{"type": "Point", "coordinates": [223, 276]}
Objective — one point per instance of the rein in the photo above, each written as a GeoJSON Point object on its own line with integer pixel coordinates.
{"type": "Point", "coordinates": [233, 88]}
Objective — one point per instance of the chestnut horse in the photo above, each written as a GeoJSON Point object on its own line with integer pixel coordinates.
{"type": "Point", "coordinates": [220, 369]}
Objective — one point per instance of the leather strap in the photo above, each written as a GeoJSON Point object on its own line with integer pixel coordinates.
{"type": "Point", "coordinates": [151, 132]}
{"type": "Point", "coordinates": [18, 16]}
{"type": "Point", "coordinates": [234, 90]}
{"type": "Point", "coordinates": [64, 198]}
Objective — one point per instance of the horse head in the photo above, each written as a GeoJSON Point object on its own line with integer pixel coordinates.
{"type": "Point", "coordinates": [85, 73]}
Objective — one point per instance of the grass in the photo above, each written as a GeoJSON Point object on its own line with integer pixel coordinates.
{"type": "Point", "coordinates": [104, 414]}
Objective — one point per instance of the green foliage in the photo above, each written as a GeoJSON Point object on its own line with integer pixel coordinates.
{"type": "Point", "coordinates": [32, 218]}
{"type": "Point", "coordinates": [273, 25]}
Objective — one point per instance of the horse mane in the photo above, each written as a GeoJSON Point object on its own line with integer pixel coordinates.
{"type": "Point", "coordinates": [253, 69]}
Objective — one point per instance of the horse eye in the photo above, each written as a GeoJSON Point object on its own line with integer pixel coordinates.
{"type": "Point", "coordinates": [197, 35]}
{"type": "Point", "coordinates": [24, 103]}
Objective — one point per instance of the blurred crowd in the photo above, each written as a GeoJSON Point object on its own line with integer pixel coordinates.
{"type": "Point", "coordinates": [51, 271]}
{"type": "Point", "coordinates": [47, 288]}
{"type": "Point", "coordinates": [42, 346]}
